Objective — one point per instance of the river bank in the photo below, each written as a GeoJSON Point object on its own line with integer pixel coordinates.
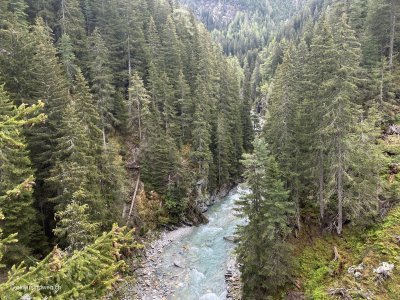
{"type": "Point", "coordinates": [149, 284]}
{"type": "Point", "coordinates": [192, 262]}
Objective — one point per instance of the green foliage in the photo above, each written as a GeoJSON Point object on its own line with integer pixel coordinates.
{"type": "Point", "coordinates": [5, 241]}
{"type": "Point", "coordinates": [75, 225]}
{"type": "Point", "coordinates": [323, 137]}
{"type": "Point", "coordinates": [318, 272]}
{"type": "Point", "coordinates": [17, 180]}
{"type": "Point", "coordinates": [263, 252]}
{"type": "Point", "coordinates": [85, 274]}
{"type": "Point", "coordinates": [117, 75]}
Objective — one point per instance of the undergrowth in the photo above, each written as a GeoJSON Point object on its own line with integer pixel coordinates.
{"type": "Point", "coordinates": [317, 272]}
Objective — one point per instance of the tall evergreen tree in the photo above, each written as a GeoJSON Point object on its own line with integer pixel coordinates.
{"type": "Point", "coordinates": [71, 22]}
{"type": "Point", "coordinates": [16, 49]}
{"type": "Point", "coordinates": [263, 250]}
{"type": "Point", "coordinates": [342, 111]}
{"type": "Point", "coordinates": [48, 83]}
{"type": "Point", "coordinates": [320, 69]}
{"type": "Point", "coordinates": [139, 98]}
{"type": "Point", "coordinates": [17, 180]}
{"type": "Point", "coordinates": [101, 82]}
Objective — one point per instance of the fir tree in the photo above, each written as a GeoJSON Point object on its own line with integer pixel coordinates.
{"type": "Point", "coordinates": [49, 84]}
{"type": "Point", "coordinates": [16, 179]}
{"type": "Point", "coordinates": [138, 97]}
{"type": "Point", "coordinates": [90, 272]}
{"type": "Point", "coordinates": [263, 251]}
{"type": "Point", "coordinates": [71, 22]}
{"type": "Point", "coordinates": [16, 49]}
{"type": "Point", "coordinates": [75, 225]}
{"type": "Point", "coordinates": [101, 82]}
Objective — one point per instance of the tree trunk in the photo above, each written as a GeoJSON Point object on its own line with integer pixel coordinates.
{"type": "Point", "coordinates": [392, 33]}
{"type": "Point", "coordinates": [321, 185]}
{"type": "Point", "coordinates": [104, 138]}
{"type": "Point", "coordinates": [139, 119]}
{"type": "Point", "coordinates": [63, 16]}
{"type": "Point", "coordinates": [134, 197]}
{"type": "Point", "coordinates": [381, 85]}
{"type": "Point", "coordinates": [297, 203]}
{"type": "Point", "coordinates": [129, 58]}
{"type": "Point", "coordinates": [340, 188]}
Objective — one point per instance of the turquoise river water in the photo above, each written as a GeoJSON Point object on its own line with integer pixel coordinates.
{"type": "Point", "coordinates": [203, 255]}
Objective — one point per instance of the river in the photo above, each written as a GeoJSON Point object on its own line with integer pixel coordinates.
{"type": "Point", "coordinates": [193, 266]}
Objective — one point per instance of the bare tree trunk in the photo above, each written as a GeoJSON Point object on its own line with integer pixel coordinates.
{"type": "Point", "coordinates": [381, 86]}
{"type": "Point", "coordinates": [134, 197]}
{"type": "Point", "coordinates": [139, 120]}
{"type": "Point", "coordinates": [130, 75]}
{"type": "Point", "coordinates": [104, 138]}
{"type": "Point", "coordinates": [321, 185]}
{"type": "Point", "coordinates": [297, 203]}
{"type": "Point", "coordinates": [129, 57]}
{"type": "Point", "coordinates": [340, 188]}
{"type": "Point", "coordinates": [63, 16]}
{"type": "Point", "coordinates": [392, 33]}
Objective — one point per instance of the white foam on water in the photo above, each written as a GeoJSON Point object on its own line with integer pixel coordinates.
{"type": "Point", "coordinates": [209, 296]}
{"type": "Point", "coordinates": [211, 229]}
{"type": "Point", "coordinates": [197, 276]}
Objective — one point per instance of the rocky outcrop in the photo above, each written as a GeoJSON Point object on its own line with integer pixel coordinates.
{"type": "Point", "coordinates": [384, 271]}
{"type": "Point", "coordinates": [232, 279]}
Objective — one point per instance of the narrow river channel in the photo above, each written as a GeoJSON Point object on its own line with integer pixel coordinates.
{"type": "Point", "coordinates": [194, 266]}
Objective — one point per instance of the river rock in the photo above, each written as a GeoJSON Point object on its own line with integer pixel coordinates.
{"type": "Point", "coordinates": [232, 279]}
{"type": "Point", "coordinates": [229, 238]}
{"type": "Point", "coordinates": [178, 264]}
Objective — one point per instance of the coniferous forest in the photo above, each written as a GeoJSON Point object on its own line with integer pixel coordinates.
{"type": "Point", "coordinates": [124, 119]}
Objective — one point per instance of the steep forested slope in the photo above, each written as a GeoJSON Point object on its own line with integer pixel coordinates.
{"type": "Point", "coordinates": [126, 111]}
{"type": "Point", "coordinates": [241, 25]}
{"type": "Point", "coordinates": [144, 119]}
{"type": "Point", "coordinates": [329, 93]}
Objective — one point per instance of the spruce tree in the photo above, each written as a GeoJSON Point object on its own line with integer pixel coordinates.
{"type": "Point", "coordinates": [17, 179]}
{"type": "Point", "coordinates": [101, 80]}
{"type": "Point", "coordinates": [78, 234]}
{"type": "Point", "coordinates": [86, 273]}
{"type": "Point", "coordinates": [171, 50]}
{"type": "Point", "coordinates": [16, 50]}
{"type": "Point", "coordinates": [47, 83]}
{"type": "Point", "coordinates": [283, 128]}
{"type": "Point", "coordinates": [71, 22]}
{"type": "Point", "coordinates": [263, 250]}
{"type": "Point", "coordinates": [185, 109]}
{"type": "Point", "coordinates": [320, 69]}
{"type": "Point", "coordinates": [201, 140]}
{"type": "Point", "coordinates": [342, 112]}
{"type": "Point", "coordinates": [76, 174]}
{"type": "Point", "coordinates": [138, 97]}
{"type": "Point", "coordinates": [68, 58]}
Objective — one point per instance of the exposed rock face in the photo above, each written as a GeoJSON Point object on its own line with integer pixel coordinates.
{"type": "Point", "coordinates": [356, 271]}
{"type": "Point", "coordinates": [384, 271]}
{"type": "Point", "coordinates": [232, 279]}
{"type": "Point", "coordinates": [204, 202]}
